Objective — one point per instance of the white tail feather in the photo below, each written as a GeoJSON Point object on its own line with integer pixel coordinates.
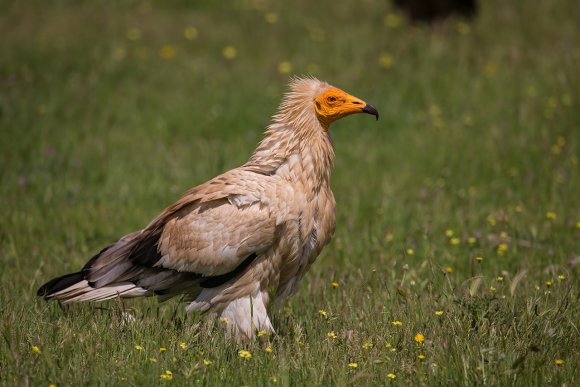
{"type": "Point", "coordinates": [82, 291]}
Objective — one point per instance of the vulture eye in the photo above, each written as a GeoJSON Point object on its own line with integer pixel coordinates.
{"type": "Point", "coordinates": [331, 99]}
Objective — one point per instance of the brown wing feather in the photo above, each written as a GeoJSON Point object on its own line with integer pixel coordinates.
{"type": "Point", "coordinates": [209, 232]}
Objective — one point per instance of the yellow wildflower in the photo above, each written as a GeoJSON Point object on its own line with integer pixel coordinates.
{"type": "Point", "coordinates": [182, 345]}
{"type": "Point", "coordinates": [578, 224]}
{"type": "Point", "coordinates": [449, 269]}
{"type": "Point", "coordinates": [331, 335]}
{"type": "Point", "coordinates": [421, 357]}
{"type": "Point", "coordinates": [352, 365]}
{"type": "Point", "coordinates": [285, 67]}
{"type": "Point", "coordinates": [438, 122]}
{"type": "Point", "coordinates": [499, 278]}
{"type": "Point", "coordinates": [119, 53]}
{"type": "Point", "coordinates": [455, 241]}
{"type": "Point", "coordinates": [271, 18]}
{"type": "Point", "coordinates": [274, 379]}
{"type": "Point", "coordinates": [463, 28]}
{"type": "Point", "coordinates": [472, 240]}
{"type": "Point", "coordinates": [438, 313]}
{"type": "Point", "coordinates": [492, 289]}
{"type": "Point", "coordinates": [390, 236]}
{"type": "Point", "coordinates": [207, 362]}
{"type": "Point", "coordinates": [502, 248]}
{"type": "Point", "coordinates": [490, 69]}
{"type": "Point", "coordinates": [391, 376]}
{"type": "Point", "coordinates": [262, 333]}
{"type": "Point", "coordinates": [35, 349]}
{"type": "Point", "coordinates": [479, 258]}
{"type": "Point", "coordinates": [190, 33]}
{"type": "Point", "coordinates": [559, 362]}
{"type": "Point", "coordinates": [334, 284]}
{"type": "Point", "coordinates": [167, 375]}
{"type": "Point", "coordinates": [567, 99]}
{"type": "Point", "coordinates": [397, 323]}
{"type": "Point", "coordinates": [449, 233]}
{"type": "Point", "coordinates": [268, 349]}
{"type": "Point", "coordinates": [551, 215]}
{"type": "Point", "coordinates": [435, 110]}
{"type": "Point", "coordinates": [224, 320]}
{"type": "Point", "coordinates": [52, 385]}
{"type": "Point", "coordinates": [138, 347]}
{"type": "Point", "coordinates": [392, 20]}
{"type": "Point", "coordinates": [244, 354]}
{"type": "Point", "coordinates": [229, 52]}
{"type": "Point", "coordinates": [419, 338]}
{"type": "Point", "coordinates": [561, 277]}
{"type": "Point", "coordinates": [386, 61]}
{"type": "Point", "coordinates": [367, 345]}
{"type": "Point", "coordinates": [323, 313]}
{"type": "Point", "coordinates": [134, 33]}
{"type": "Point", "coordinates": [410, 251]}
{"type": "Point", "coordinates": [163, 349]}
{"type": "Point", "coordinates": [549, 283]}
{"type": "Point", "coordinates": [167, 52]}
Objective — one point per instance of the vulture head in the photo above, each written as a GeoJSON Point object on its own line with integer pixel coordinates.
{"type": "Point", "coordinates": [309, 97]}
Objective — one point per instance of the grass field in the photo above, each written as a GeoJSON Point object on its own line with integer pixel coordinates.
{"type": "Point", "coordinates": [110, 110]}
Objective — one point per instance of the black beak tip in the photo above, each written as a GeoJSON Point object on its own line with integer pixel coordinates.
{"type": "Point", "coordinates": [370, 109]}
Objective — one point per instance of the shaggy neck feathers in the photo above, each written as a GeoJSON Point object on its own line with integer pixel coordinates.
{"type": "Point", "coordinates": [296, 142]}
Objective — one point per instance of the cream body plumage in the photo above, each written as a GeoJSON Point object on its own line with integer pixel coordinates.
{"type": "Point", "coordinates": [227, 243]}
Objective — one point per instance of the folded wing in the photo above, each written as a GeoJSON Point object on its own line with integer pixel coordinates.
{"type": "Point", "coordinates": [210, 236]}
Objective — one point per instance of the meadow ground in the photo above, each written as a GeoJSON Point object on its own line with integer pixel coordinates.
{"type": "Point", "coordinates": [458, 220]}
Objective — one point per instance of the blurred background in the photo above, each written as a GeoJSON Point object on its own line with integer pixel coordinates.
{"type": "Point", "coordinates": [110, 110]}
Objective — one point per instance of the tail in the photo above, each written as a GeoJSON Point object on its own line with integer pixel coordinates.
{"type": "Point", "coordinates": [123, 269]}
{"type": "Point", "coordinates": [75, 288]}
{"type": "Point", "coordinates": [56, 285]}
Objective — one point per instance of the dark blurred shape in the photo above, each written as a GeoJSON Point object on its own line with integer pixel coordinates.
{"type": "Point", "coordinates": [429, 11]}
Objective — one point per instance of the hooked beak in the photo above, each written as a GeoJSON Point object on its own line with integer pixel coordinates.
{"type": "Point", "coordinates": [370, 109]}
{"type": "Point", "coordinates": [335, 104]}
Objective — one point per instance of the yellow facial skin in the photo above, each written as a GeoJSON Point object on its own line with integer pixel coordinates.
{"type": "Point", "coordinates": [334, 103]}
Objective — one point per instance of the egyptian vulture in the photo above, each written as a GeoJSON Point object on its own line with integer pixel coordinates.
{"type": "Point", "coordinates": [227, 243]}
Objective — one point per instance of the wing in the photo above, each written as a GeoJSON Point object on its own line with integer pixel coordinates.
{"type": "Point", "coordinates": [214, 238]}
{"type": "Point", "coordinates": [205, 239]}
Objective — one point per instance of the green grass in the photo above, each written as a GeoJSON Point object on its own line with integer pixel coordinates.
{"type": "Point", "coordinates": [479, 134]}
